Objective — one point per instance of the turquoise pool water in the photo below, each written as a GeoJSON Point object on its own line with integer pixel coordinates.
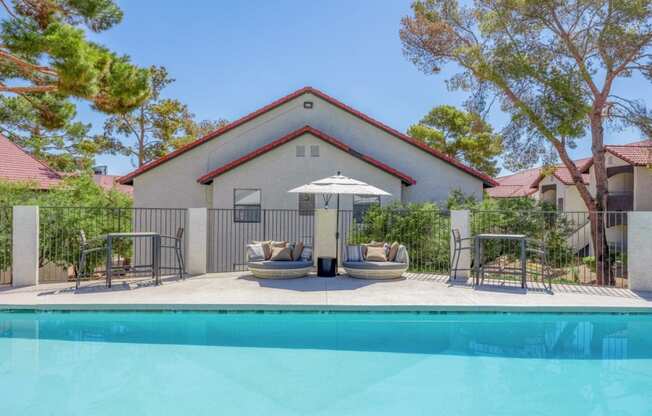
{"type": "Point", "coordinates": [201, 363]}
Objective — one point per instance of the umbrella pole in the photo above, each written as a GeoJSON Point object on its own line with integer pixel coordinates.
{"type": "Point", "coordinates": [337, 234]}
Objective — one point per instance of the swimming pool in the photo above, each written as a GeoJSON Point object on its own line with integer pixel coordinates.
{"type": "Point", "coordinates": [294, 363]}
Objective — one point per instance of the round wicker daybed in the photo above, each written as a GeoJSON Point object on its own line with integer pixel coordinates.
{"type": "Point", "coordinates": [279, 269]}
{"type": "Point", "coordinates": [375, 270]}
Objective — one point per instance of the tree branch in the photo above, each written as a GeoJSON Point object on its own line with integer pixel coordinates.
{"type": "Point", "coordinates": [572, 48]}
{"type": "Point", "coordinates": [27, 90]}
{"type": "Point", "coordinates": [26, 66]}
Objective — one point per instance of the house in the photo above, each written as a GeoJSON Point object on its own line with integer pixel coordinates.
{"type": "Point", "coordinates": [306, 135]}
{"type": "Point", "coordinates": [18, 166]}
{"type": "Point", "coordinates": [629, 176]}
{"type": "Point", "coordinates": [558, 188]}
{"type": "Point", "coordinates": [554, 186]}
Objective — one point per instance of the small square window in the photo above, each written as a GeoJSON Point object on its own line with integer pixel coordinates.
{"type": "Point", "coordinates": [307, 104]}
{"type": "Point", "coordinates": [246, 205]}
{"type": "Point", "coordinates": [301, 151]}
{"type": "Point", "coordinates": [314, 151]}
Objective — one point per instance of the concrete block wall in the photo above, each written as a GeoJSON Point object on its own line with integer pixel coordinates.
{"type": "Point", "coordinates": [25, 246]}
{"type": "Point", "coordinates": [639, 250]}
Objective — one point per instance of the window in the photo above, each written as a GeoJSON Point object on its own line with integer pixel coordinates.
{"type": "Point", "coordinates": [560, 204]}
{"type": "Point", "coordinates": [362, 204]}
{"type": "Point", "coordinates": [301, 151]}
{"type": "Point", "coordinates": [246, 205]}
{"type": "Point", "coordinates": [314, 151]}
{"type": "Point", "coordinates": [306, 204]}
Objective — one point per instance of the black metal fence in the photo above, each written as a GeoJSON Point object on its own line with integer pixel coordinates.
{"type": "Point", "coordinates": [425, 233]}
{"type": "Point", "coordinates": [6, 218]}
{"type": "Point", "coordinates": [228, 235]}
{"type": "Point", "coordinates": [60, 229]}
{"type": "Point", "coordinates": [569, 239]}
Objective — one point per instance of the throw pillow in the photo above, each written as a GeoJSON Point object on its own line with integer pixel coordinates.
{"type": "Point", "coordinates": [354, 253]}
{"type": "Point", "coordinates": [402, 255]}
{"type": "Point", "coordinates": [296, 252]}
{"type": "Point", "coordinates": [278, 243]}
{"type": "Point", "coordinates": [376, 254]}
{"type": "Point", "coordinates": [255, 252]}
{"type": "Point", "coordinates": [372, 244]}
{"type": "Point", "coordinates": [306, 254]}
{"type": "Point", "coordinates": [267, 247]}
{"type": "Point", "coordinates": [281, 254]}
{"type": "Point", "coordinates": [393, 249]}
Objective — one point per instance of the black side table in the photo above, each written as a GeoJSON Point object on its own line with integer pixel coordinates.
{"type": "Point", "coordinates": [326, 266]}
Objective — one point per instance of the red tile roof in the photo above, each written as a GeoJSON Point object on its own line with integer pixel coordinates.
{"type": "Point", "coordinates": [16, 165]}
{"type": "Point", "coordinates": [127, 179]}
{"type": "Point", "coordinates": [510, 191]}
{"type": "Point", "coordinates": [564, 176]}
{"type": "Point", "coordinates": [108, 182]}
{"type": "Point", "coordinates": [637, 154]}
{"type": "Point", "coordinates": [208, 178]}
{"type": "Point", "coordinates": [515, 185]}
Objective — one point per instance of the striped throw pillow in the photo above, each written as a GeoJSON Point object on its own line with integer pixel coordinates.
{"type": "Point", "coordinates": [354, 253]}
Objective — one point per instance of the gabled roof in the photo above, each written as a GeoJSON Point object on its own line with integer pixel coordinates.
{"type": "Point", "coordinates": [16, 165]}
{"type": "Point", "coordinates": [637, 154]}
{"type": "Point", "coordinates": [309, 90]}
{"type": "Point", "coordinates": [208, 178]}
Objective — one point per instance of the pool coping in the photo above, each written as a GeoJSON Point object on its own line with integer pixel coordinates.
{"type": "Point", "coordinates": [156, 307]}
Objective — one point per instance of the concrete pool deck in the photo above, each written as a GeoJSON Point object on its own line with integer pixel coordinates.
{"type": "Point", "coordinates": [241, 291]}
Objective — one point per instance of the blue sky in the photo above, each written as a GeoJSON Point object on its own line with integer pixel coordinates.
{"type": "Point", "coordinates": [231, 57]}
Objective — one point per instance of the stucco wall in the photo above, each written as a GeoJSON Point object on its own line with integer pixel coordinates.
{"type": "Point", "coordinates": [173, 184]}
{"type": "Point", "coordinates": [642, 188]}
{"type": "Point", "coordinates": [280, 170]}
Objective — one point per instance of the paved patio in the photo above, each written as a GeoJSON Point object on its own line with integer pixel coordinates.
{"type": "Point", "coordinates": [241, 291]}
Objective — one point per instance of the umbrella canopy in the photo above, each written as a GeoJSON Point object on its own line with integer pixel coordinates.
{"type": "Point", "coordinates": [339, 184]}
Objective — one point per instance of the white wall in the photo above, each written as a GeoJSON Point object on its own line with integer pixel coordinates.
{"type": "Point", "coordinates": [173, 184]}
{"type": "Point", "coordinates": [278, 171]}
{"type": "Point", "coordinates": [642, 188]}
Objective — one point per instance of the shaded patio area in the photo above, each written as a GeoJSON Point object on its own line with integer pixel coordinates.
{"type": "Point", "coordinates": [242, 291]}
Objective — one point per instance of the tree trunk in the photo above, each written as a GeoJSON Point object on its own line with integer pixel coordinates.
{"type": "Point", "coordinates": [597, 218]}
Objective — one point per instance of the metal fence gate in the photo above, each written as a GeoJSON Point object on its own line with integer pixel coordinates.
{"type": "Point", "coordinates": [60, 237]}
{"type": "Point", "coordinates": [424, 232]}
{"type": "Point", "coordinates": [230, 230]}
{"type": "Point", "coordinates": [569, 242]}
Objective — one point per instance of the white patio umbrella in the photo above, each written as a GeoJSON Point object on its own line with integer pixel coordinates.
{"type": "Point", "coordinates": [338, 185]}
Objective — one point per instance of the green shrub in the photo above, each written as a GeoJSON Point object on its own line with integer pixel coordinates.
{"type": "Point", "coordinates": [423, 228]}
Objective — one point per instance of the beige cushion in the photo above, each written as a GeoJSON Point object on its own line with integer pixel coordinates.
{"type": "Point", "coordinates": [267, 248]}
{"type": "Point", "coordinates": [376, 254]}
{"type": "Point", "coordinates": [278, 243]}
{"type": "Point", "coordinates": [298, 249]}
{"type": "Point", "coordinates": [372, 244]}
{"type": "Point", "coordinates": [393, 249]}
{"type": "Point", "coordinates": [281, 254]}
